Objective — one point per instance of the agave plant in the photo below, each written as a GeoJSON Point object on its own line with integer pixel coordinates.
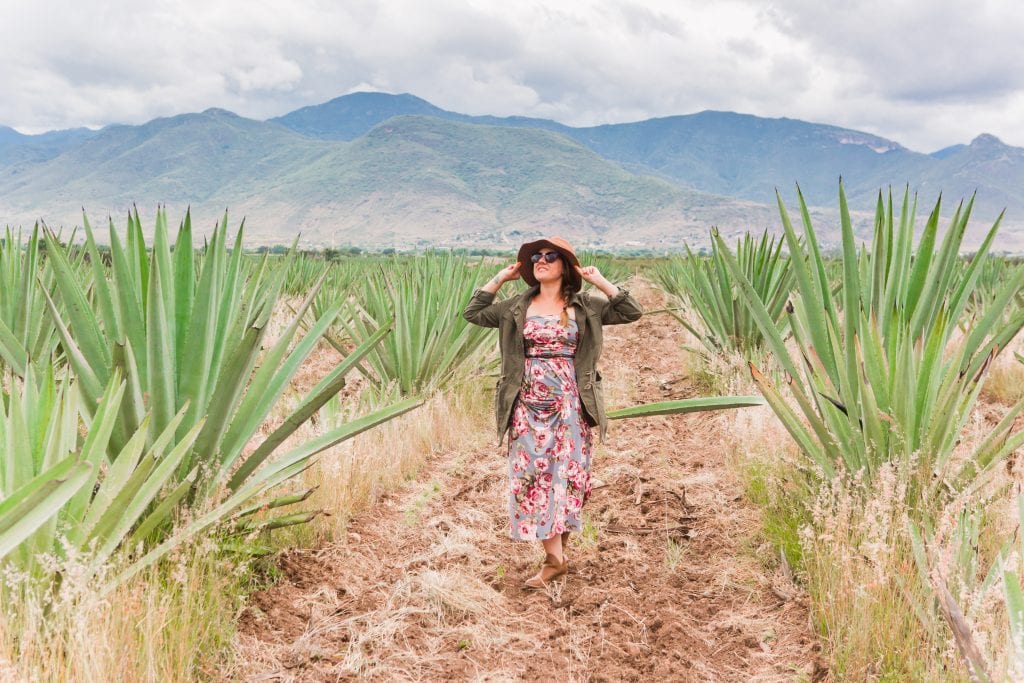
{"type": "Point", "coordinates": [706, 287]}
{"type": "Point", "coordinates": [188, 335]}
{"type": "Point", "coordinates": [432, 342]}
{"type": "Point", "coordinates": [27, 334]}
{"type": "Point", "coordinates": [879, 374]}
{"type": "Point", "coordinates": [58, 489]}
{"type": "Point", "coordinates": [995, 272]}
{"type": "Point", "coordinates": [337, 275]}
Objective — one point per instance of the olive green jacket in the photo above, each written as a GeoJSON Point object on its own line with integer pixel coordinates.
{"type": "Point", "coordinates": [509, 316]}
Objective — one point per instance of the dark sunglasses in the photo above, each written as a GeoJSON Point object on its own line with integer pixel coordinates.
{"type": "Point", "coordinates": [550, 257]}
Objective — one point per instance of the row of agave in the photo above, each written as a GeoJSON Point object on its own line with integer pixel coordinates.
{"type": "Point", "coordinates": [705, 287]}
{"type": "Point", "coordinates": [883, 354]}
{"type": "Point", "coordinates": [137, 380]}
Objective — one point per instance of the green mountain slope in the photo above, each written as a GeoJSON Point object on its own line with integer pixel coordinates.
{"type": "Point", "coordinates": [18, 149]}
{"type": "Point", "coordinates": [185, 158]}
{"type": "Point", "coordinates": [350, 116]}
{"type": "Point", "coordinates": [747, 156]}
{"type": "Point", "coordinates": [360, 170]}
{"type": "Point", "coordinates": [730, 154]}
{"type": "Point", "coordinates": [409, 181]}
{"type": "Point", "coordinates": [987, 165]}
{"type": "Point", "coordinates": [420, 179]}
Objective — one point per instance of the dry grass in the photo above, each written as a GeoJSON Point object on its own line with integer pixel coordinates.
{"type": "Point", "coordinates": [849, 549]}
{"type": "Point", "coordinates": [845, 548]}
{"type": "Point", "coordinates": [1005, 383]}
{"type": "Point", "coordinates": [172, 623]}
{"type": "Point", "coordinates": [353, 475]}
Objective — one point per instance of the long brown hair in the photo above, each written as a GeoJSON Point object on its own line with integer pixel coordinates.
{"type": "Point", "coordinates": [566, 291]}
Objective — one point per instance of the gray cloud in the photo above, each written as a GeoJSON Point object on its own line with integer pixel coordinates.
{"type": "Point", "coordinates": [941, 51]}
{"type": "Point", "coordinates": [927, 74]}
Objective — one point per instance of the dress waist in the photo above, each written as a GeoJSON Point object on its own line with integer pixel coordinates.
{"type": "Point", "coordinates": [550, 354]}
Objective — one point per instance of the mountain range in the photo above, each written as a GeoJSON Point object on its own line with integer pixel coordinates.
{"type": "Point", "coordinates": [375, 170]}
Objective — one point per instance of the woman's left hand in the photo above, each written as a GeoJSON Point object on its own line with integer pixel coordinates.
{"type": "Point", "coordinates": [590, 274]}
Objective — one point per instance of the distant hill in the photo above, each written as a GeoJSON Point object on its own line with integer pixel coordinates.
{"type": "Point", "coordinates": [735, 155]}
{"type": "Point", "coordinates": [473, 184]}
{"type": "Point", "coordinates": [349, 116]}
{"type": "Point", "coordinates": [377, 169]}
{"type": "Point", "coordinates": [410, 181]}
{"type": "Point", "coordinates": [987, 166]}
{"type": "Point", "coordinates": [185, 158]}
{"type": "Point", "coordinates": [946, 151]}
{"type": "Point", "coordinates": [18, 148]}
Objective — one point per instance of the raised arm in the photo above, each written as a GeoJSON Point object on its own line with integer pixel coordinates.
{"type": "Point", "coordinates": [620, 307]}
{"type": "Point", "coordinates": [481, 309]}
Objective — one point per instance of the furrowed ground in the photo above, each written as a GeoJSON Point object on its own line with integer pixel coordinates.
{"type": "Point", "coordinates": [670, 581]}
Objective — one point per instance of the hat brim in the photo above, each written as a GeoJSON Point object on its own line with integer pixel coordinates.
{"type": "Point", "coordinates": [526, 266]}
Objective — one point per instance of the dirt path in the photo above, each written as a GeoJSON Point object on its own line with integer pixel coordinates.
{"type": "Point", "coordinates": [663, 586]}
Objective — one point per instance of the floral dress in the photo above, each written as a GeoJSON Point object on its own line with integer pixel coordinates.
{"type": "Point", "coordinates": [550, 445]}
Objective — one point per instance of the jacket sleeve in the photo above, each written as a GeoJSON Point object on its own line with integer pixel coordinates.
{"type": "Point", "coordinates": [481, 309]}
{"type": "Point", "coordinates": [621, 308]}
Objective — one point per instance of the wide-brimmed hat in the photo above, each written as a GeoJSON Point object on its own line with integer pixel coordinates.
{"type": "Point", "coordinates": [560, 245]}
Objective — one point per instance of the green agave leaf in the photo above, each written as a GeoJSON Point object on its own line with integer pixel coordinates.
{"type": "Point", "coordinates": [39, 501]}
{"type": "Point", "coordinates": [688, 405]}
{"type": "Point", "coordinates": [282, 469]}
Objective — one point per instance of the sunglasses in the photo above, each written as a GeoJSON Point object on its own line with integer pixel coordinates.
{"type": "Point", "coordinates": [549, 257]}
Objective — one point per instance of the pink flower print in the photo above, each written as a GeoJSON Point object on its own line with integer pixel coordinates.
{"type": "Point", "coordinates": [527, 530]}
{"type": "Point", "coordinates": [537, 497]}
{"type": "Point", "coordinates": [542, 437]}
{"type": "Point", "coordinates": [522, 462]}
{"type": "Point", "coordinates": [519, 421]}
{"type": "Point", "coordinates": [565, 407]}
{"type": "Point", "coordinates": [549, 480]}
{"type": "Point", "coordinates": [563, 445]}
{"type": "Point", "coordinates": [573, 504]}
{"type": "Point", "coordinates": [576, 475]}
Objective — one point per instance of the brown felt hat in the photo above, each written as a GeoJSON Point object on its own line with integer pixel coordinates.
{"type": "Point", "coordinates": [560, 245]}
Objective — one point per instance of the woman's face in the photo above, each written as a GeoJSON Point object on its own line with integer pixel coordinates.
{"type": "Point", "coordinates": [546, 271]}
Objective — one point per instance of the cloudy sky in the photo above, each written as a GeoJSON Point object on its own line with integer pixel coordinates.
{"type": "Point", "coordinates": [926, 73]}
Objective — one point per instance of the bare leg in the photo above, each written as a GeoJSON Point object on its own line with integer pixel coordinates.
{"type": "Point", "coordinates": [553, 546]}
{"type": "Point", "coordinates": [554, 563]}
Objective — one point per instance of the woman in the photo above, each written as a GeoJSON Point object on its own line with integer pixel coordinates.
{"type": "Point", "coordinates": [549, 395]}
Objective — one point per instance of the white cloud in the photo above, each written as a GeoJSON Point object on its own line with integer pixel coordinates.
{"type": "Point", "coordinates": [926, 73]}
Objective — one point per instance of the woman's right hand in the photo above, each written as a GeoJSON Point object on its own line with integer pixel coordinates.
{"type": "Point", "coordinates": [509, 273]}
{"type": "Point", "coordinates": [504, 275]}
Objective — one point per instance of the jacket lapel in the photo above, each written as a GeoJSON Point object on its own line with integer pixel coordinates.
{"type": "Point", "coordinates": [581, 316]}
{"type": "Point", "coordinates": [520, 307]}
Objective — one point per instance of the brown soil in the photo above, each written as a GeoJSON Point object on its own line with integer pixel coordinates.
{"type": "Point", "coordinates": [668, 583]}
